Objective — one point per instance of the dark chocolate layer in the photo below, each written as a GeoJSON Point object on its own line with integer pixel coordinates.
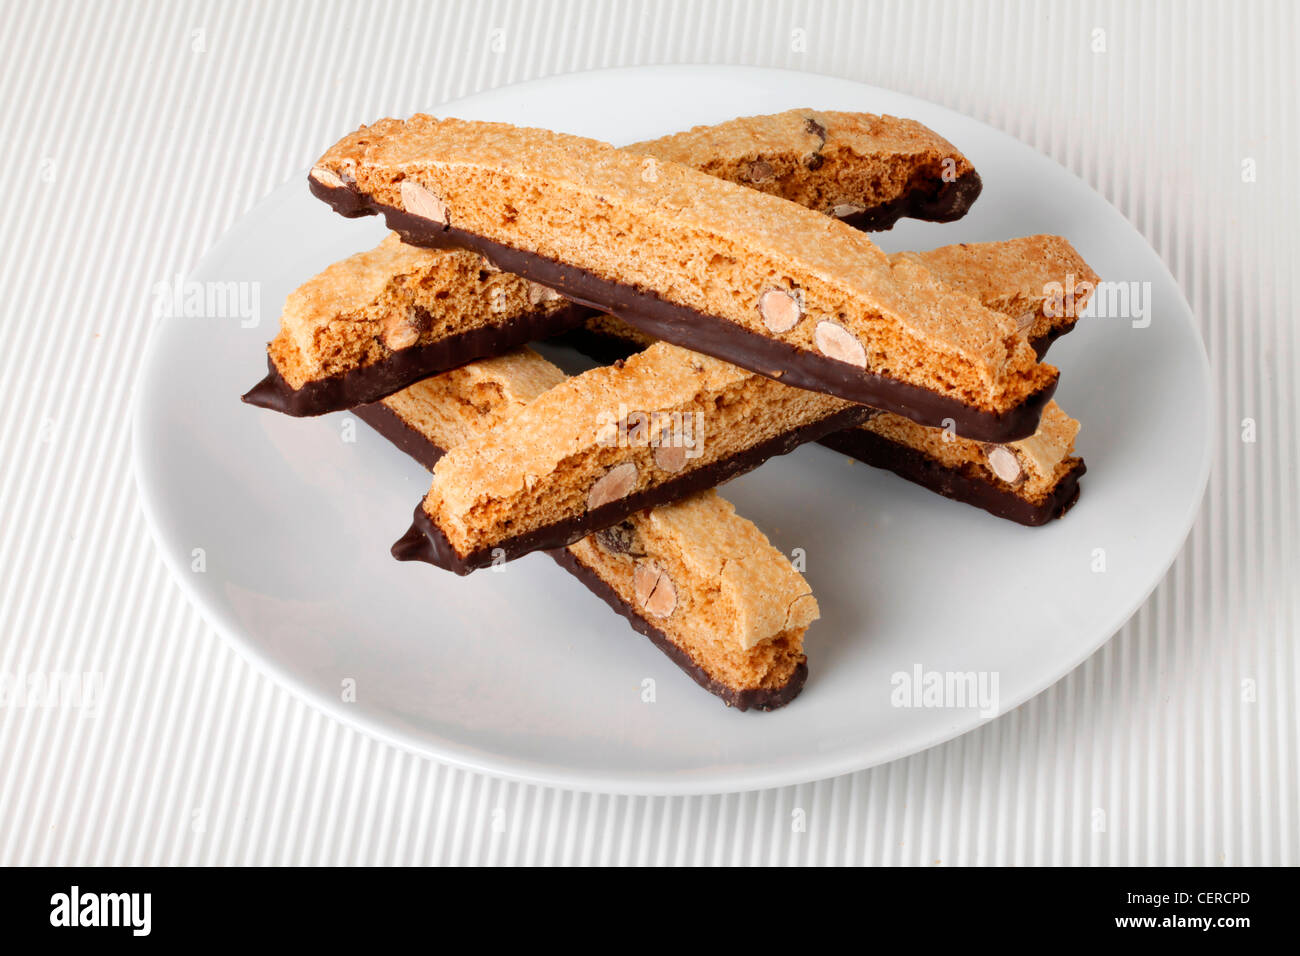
{"type": "Point", "coordinates": [370, 383]}
{"type": "Point", "coordinates": [920, 468]}
{"type": "Point", "coordinates": [758, 698]}
{"type": "Point", "coordinates": [393, 427]}
{"type": "Point", "coordinates": [603, 347]}
{"type": "Point", "coordinates": [425, 541]}
{"type": "Point", "coordinates": [712, 335]}
{"type": "Point", "coordinates": [946, 202]}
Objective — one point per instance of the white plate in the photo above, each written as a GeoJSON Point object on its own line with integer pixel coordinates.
{"type": "Point", "coordinates": [524, 673]}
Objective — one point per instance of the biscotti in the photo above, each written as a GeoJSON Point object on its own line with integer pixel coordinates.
{"type": "Point", "coordinates": [604, 444]}
{"type": "Point", "coordinates": [383, 319]}
{"type": "Point", "coordinates": [870, 171]}
{"type": "Point", "coordinates": [379, 320]}
{"type": "Point", "coordinates": [1030, 481]}
{"type": "Point", "coordinates": [701, 582]}
{"type": "Point", "coordinates": [1040, 281]}
{"type": "Point", "coordinates": [719, 268]}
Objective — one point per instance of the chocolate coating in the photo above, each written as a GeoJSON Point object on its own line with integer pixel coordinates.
{"type": "Point", "coordinates": [947, 202]}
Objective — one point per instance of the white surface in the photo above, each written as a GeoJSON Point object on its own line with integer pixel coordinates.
{"type": "Point", "coordinates": [1176, 742]}
{"type": "Point", "coordinates": [520, 672]}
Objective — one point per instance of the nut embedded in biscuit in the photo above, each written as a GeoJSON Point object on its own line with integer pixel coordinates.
{"type": "Point", "coordinates": [401, 337]}
{"type": "Point", "coordinates": [418, 201]}
{"type": "Point", "coordinates": [1004, 463]}
{"type": "Point", "coordinates": [845, 209]}
{"type": "Point", "coordinates": [670, 457]}
{"type": "Point", "coordinates": [835, 342]}
{"type": "Point", "coordinates": [654, 589]}
{"type": "Point", "coordinates": [403, 331]}
{"type": "Point", "coordinates": [759, 172]}
{"type": "Point", "coordinates": [538, 294]}
{"type": "Point", "coordinates": [781, 310]}
{"type": "Point", "coordinates": [620, 539]}
{"type": "Point", "coordinates": [327, 177]}
{"type": "Point", "coordinates": [616, 483]}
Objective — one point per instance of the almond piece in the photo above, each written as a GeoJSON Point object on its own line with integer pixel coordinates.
{"type": "Point", "coordinates": [401, 337]}
{"type": "Point", "coordinates": [781, 310]}
{"type": "Point", "coordinates": [759, 172]}
{"type": "Point", "coordinates": [654, 589]}
{"type": "Point", "coordinates": [614, 484]}
{"type": "Point", "coordinates": [418, 201]}
{"type": "Point", "coordinates": [400, 331]}
{"type": "Point", "coordinates": [670, 457]}
{"type": "Point", "coordinates": [1025, 321]}
{"type": "Point", "coordinates": [1004, 463]}
{"type": "Point", "coordinates": [327, 177]}
{"type": "Point", "coordinates": [835, 342]}
{"type": "Point", "coordinates": [538, 294]}
{"type": "Point", "coordinates": [845, 209]}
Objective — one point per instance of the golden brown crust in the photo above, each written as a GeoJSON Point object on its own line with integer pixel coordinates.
{"type": "Point", "coordinates": [700, 243]}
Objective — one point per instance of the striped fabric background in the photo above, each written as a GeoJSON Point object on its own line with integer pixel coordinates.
{"type": "Point", "coordinates": [133, 135]}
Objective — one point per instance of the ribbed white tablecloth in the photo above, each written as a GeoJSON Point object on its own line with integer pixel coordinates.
{"type": "Point", "coordinates": [133, 135]}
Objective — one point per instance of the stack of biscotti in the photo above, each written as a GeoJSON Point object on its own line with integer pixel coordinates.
{"type": "Point", "coordinates": [726, 268]}
{"type": "Point", "coordinates": [696, 578]}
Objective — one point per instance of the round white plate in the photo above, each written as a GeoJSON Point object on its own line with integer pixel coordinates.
{"type": "Point", "coordinates": [279, 528]}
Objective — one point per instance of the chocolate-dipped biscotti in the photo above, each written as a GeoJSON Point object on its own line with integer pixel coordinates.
{"type": "Point", "coordinates": [1040, 281]}
{"type": "Point", "coordinates": [601, 445]}
{"type": "Point", "coordinates": [1030, 481]}
{"type": "Point", "coordinates": [383, 319]}
{"type": "Point", "coordinates": [704, 584]}
{"type": "Point", "coordinates": [722, 269]}
{"type": "Point", "coordinates": [377, 321]}
{"type": "Point", "coordinates": [870, 171]}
